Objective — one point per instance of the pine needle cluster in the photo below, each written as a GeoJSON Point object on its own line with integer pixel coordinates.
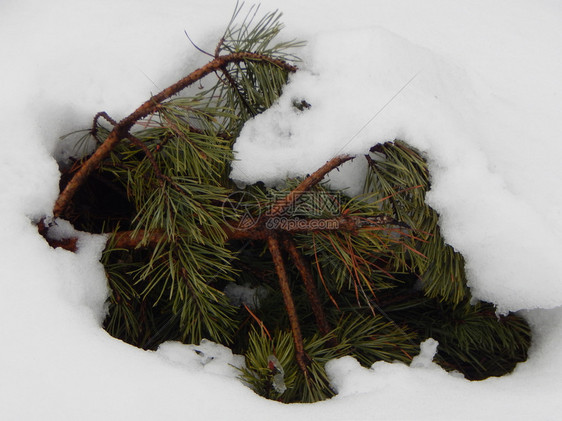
{"type": "Point", "coordinates": [191, 257]}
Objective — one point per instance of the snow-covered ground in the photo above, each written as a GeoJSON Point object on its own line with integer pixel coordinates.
{"type": "Point", "coordinates": [474, 84]}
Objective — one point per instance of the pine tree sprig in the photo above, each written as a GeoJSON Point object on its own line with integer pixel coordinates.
{"type": "Point", "coordinates": [290, 276]}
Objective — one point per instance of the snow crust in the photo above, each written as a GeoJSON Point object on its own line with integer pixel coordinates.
{"type": "Point", "coordinates": [485, 106]}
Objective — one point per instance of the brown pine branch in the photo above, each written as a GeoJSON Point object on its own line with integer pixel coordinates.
{"type": "Point", "coordinates": [211, 67]}
{"type": "Point", "coordinates": [283, 278]}
{"type": "Point", "coordinates": [219, 46]}
{"type": "Point", "coordinates": [141, 238]}
{"type": "Point", "coordinates": [121, 129]}
{"type": "Point", "coordinates": [346, 223]}
{"type": "Point", "coordinates": [310, 287]}
{"type": "Point", "coordinates": [133, 239]}
{"type": "Point", "coordinates": [280, 206]}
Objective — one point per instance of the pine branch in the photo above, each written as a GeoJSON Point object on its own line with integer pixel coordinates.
{"type": "Point", "coordinates": [401, 176]}
{"type": "Point", "coordinates": [142, 238]}
{"type": "Point", "coordinates": [282, 205]}
{"type": "Point", "coordinates": [177, 245]}
{"type": "Point", "coordinates": [274, 249]}
{"type": "Point", "coordinates": [121, 129]}
{"type": "Point", "coordinates": [311, 291]}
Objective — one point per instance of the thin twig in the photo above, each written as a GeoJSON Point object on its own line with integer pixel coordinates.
{"type": "Point", "coordinates": [230, 80]}
{"type": "Point", "coordinates": [94, 130]}
{"type": "Point", "coordinates": [195, 45]}
{"type": "Point", "coordinates": [219, 46]}
{"type": "Point", "coordinates": [105, 116]}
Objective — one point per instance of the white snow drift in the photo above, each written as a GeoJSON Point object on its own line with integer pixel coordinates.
{"type": "Point", "coordinates": [475, 85]}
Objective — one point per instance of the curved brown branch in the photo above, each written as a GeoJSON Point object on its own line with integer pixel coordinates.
{"type": "Point", "coordinates": [121, 129]}
{"type": "Point", "coordinates": [212, 66]}
{"type": "Point", "coordinates": [101, 114]}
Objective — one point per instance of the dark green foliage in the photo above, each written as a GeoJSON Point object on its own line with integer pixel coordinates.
{"type": "Point", "coordinates": [472, 338]}
{"type": "Point", "coordinates": [384, 288]}
{"type": "Point", "coordinates": [281, 378]}
{"type": "Point", "coordinates": [400, 176]}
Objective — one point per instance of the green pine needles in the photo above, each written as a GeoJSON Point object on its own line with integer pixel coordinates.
{"type": "Point", "coordinates": [289, 277]}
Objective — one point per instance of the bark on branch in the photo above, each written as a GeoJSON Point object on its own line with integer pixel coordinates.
{"type": "Point", "coordinates": [141, 238]}
{"type": "Point", "coordinates": [309, 285]}
{"type": "Point", "coordinates": [300, 355]}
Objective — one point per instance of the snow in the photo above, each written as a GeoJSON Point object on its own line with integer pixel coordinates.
{"type": "Point", "coordinates": [473, 84]}
{"type": "Point", "coordinates": [239, 295]}
{"type": "Point", "coordinates": [396, 88]}
{"type": "Point", "coordinates": [428, 349]}
{"type": "Point", "coordinates": [207, 356]}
